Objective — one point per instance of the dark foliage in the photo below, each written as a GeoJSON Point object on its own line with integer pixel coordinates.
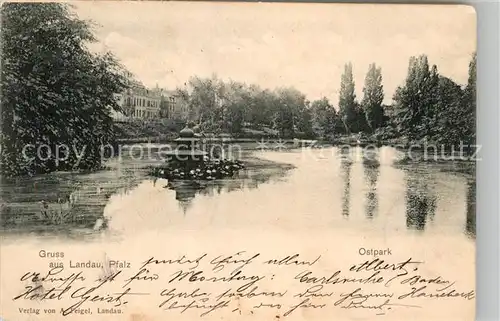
{"type": "Point", "coordinates": [55, 92]}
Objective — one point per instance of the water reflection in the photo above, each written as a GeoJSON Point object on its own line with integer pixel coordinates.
{"type": "Point", "coordinates": [470, 222]}
{"type": "Point", "coordinates": [186, 191]}
{"type": "Point", "coordinates": [315, 194]}
{"type": "Point", "coordinates": [420, 201]}
{"type": "Point", "coordinates": [62, 200]}
{"type": "Point", "coordinates": [185, 195]}
{"type": "Point", "coordinates": [371, 166]}
{"type": "Point", "coordinates": [346, 167]}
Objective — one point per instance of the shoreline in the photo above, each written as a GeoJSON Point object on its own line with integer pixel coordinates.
{"type": "Point", "coordinates": [443, 151]}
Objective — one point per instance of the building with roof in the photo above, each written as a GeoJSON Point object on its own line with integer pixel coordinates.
{"type": "Point", "coordinates": [172, 105]}
{"type": "Point", "coordinates": [140, 102]}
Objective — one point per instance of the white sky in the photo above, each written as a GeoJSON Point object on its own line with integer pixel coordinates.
{"type": "Point", "coordinates": [279, 44]}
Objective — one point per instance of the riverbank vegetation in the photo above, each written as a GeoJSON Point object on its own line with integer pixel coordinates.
{"type": "Point", "coordinates": [426, 106]}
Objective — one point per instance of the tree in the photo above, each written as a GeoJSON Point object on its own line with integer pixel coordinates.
{"type": "Point", "coordinates": [231, 106]}
{"type": "Point", "coordinates": [261, 108]}
{"type": "Point", "coordinates": [54, 91]}
{"type": "Point", "coordinates": [236, 99]}
{"type": "Point", "coordinates": [291, 103]}
{"type": "Point", "coordinates": [415, 101]}
{"type": "Point", "coordinates": [456, 110]}
{"type": "Point", "coordinates": [448, 129]}
{"type": "Point", "coordinates": [373, 97]}
{"type": "Point", "coordinates": [324, 117]}
{"type": "Point", "coordinates": [469, 115]}
{"type": "Point", "coordinates": [360, 124]}
{"type": "Point", "coordinates": [347, 99]}
{"type": "Point", "coordinates": [304, 122]}
{"type": "Point", "coordinates": [204, 97]}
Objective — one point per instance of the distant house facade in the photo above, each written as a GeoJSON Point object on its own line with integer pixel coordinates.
{"type": "Point", "coordinates": [139, 102]}
{"type": "Point", "coordinates": [172, 106]}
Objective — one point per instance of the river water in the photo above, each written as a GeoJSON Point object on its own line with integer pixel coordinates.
{"type": "Point", "coordinates": [327, 202]}
{"type": "Point", "coordinates": [327, 188]}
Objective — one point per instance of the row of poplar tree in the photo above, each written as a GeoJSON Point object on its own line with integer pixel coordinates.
{"type": "Point", "coordinates": [426, 106]}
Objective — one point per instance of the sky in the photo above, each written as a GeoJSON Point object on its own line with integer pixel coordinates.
{"type": "Point", "coordinates": [281, 44]}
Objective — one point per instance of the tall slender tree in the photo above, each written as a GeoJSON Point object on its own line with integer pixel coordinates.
{"type": "Point", "coordinates": [373, 97]}
{"type": "Point", "coordinates": [347, 99]}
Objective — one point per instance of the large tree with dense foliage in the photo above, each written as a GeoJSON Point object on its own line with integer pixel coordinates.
{"type": "Point", "coordinates": [433, 107]}
{"type": "Point", "coordinates": [236, 98]}
{"type": "Point", "coordinates": [204, 96]}
{"type": "Point", "coordinates": [325, 118]}
{"type": "Point", "coordinates": [292, 104]}
{"type": "Point", "coordinates": [54, 90]}
{"type": "Point", "coordinates": [469, 115]}
{"type": "Point", "coordinates": [456, 110]}
{"type": "Point", "coordinates": [229, 106]}
{"type": "Point", "coordinates": [262, 107]}
{"type": "Point", "coordinates": [447, 125]}
{"type": "Point", "coordinates": [416, 99]}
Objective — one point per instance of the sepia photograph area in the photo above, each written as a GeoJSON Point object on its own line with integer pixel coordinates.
{"type": "Point", "coordinates": [221, 160]}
